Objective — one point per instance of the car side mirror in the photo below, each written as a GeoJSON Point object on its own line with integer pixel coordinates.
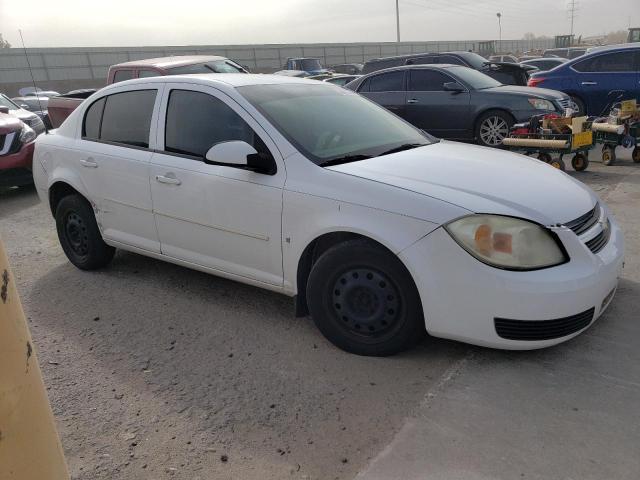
{"type": "Point", "coordinates": [454, 87]}
{"type": "Point", "coordinates": [233, 153]}
{"type": "Point", "coordinates": [4, 109]}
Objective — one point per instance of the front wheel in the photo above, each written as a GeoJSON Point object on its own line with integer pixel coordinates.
{"type": "Point", "coordinates": [580, 162]}
{"type": "Point", "coordinates": [492, 128]}
{"type": "Point", "coordinates": [608, 154]}
{"type": "Point", "coordinates": [79, 234]}
{"type": "Point", "coordinates": [364, 301]}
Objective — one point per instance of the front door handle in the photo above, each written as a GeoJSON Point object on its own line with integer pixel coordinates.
{"type": "Point", "coordinates": [88, 162]}
{"type": "Point", "coordinates": [589, 83]}
{"type": "Point", "coordinates": [168, 179]}
{"type": "Point", "coordinates": [413, 100]}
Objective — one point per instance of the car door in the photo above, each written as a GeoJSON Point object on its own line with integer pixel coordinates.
{"type": "Point", "coordinates": [386, 89]}
{"type": "Point", "coordinates": [220, 217]}
{"type": "Point", "coordinates": [435, 110]}
{"type": "Point", "coordinates": [113, 157]}
{"type": "Point", "coordinates": [606, 78]}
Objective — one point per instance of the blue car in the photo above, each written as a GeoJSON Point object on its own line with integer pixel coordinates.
{"type": "Point", "coordinates": [596, 79]}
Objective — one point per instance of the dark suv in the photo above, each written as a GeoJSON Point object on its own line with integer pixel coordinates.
{"type": "Point", "coordinates": [505, 73]}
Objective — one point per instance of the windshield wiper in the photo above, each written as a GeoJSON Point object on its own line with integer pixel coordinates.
{"type": "Point", "coordinates": [401, 148]}
{"type": "Point", "coordinates": [345, 159]}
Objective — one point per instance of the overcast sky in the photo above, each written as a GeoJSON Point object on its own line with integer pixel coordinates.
{"type": "Point", "coordinates": [56, 23]}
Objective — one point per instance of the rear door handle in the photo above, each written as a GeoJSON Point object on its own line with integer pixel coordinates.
{"type": "Point", "coordinates": [88, 162]}
{"type": "Point", "coordinates": [413, 100]}
{"type": "Point", "coordinates": [589, 83]}
{"type": "Point", "coordinates": [170, 180]}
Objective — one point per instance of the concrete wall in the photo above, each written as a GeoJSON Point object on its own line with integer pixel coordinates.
{"type": "Point", "coordinates": [64, 69]}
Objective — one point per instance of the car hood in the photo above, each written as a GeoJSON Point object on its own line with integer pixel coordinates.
{"type": "Point", "coordinates": [9, 124]}
{"type": "Point", "coordinates": [544, 93]}
{"type": "Point", "coordinates": [482, 180]}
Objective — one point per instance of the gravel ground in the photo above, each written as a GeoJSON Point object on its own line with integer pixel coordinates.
{"type": "Point", "coordinates": [155, 371]}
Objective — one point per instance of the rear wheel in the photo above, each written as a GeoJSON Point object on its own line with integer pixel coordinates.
{"type": "Point", "coordinates": [608, 154]}
{"type": "Point", "coordinates": [492, 128]}
{"type": "Point", "coordinates": [364, 301]}
{"type": "Point", "coordinates": [79, 234]}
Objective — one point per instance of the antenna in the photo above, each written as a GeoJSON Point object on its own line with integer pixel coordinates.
{"type": "Point", "coordinates": [33, 79]}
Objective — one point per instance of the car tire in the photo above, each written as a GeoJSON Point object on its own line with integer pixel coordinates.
{"type": "Point", "coordinates": [79, 234]}
{"type": "Point", "coordinates": [364, 301]}
{"type": "Point", "coordinates": [580, 162]}
{"type": "Point", "coordinates": [492, 127]}
{"type": "Point", "coordinates": [579, 105]}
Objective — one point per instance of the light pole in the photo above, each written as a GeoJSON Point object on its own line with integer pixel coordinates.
{"type": "Point", "coordinates": [499, 15]}
{"type": "Point", "coordinates": [397, 22]}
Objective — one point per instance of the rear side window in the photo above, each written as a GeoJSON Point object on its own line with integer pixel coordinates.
{"type": "Point", "coordinates": [92, 120]}
{"type": "Point", "coordinates": [612, 62]}
{"type": "Point", "coordinates": [387, 82]}
{"type": "Point", "coordinates": [122, 75]}
{"type": "Point", "coordinates": [427, 80]}
{"type": "Point", "coordinates": [123, 118]}
{"type": "Point", "coordinates": [196, 121]}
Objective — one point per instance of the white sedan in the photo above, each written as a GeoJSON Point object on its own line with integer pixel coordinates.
{"type": "Point", "coordinates": [379, 231]}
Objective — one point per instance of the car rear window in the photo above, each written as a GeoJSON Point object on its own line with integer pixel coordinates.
{"type": "Point", "coordinates": [123, 118]}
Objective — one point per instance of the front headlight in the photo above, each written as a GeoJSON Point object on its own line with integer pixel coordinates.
{"type": "Point", "coordinates": [540, 104]}
{"type": "Point", "coordinates": [27, 134]}
{"type": "Point", "coordinates": [507, 242]}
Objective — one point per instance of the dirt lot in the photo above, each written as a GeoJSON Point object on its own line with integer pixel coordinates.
{"type": "Point", "coordinates": [155, 371]}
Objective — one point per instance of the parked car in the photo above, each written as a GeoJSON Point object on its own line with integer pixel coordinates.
{"type": "Point", "coordinates": [566, 52]}
{"type": "Point", "coordinates": [61, 106]}
{"type": "Point", "coordinates": [544, 64]}
{"type": "Point", "coordinates": [321, 76]}
{"type": "Point", "coordinates": [503, 58]}
{"type": "Point", "coordinates": [341, 80]}
{"type": "Point", "coordinates": [507, 73]}
{"type": "Point", "coordinates": [16, 151]}
{"type": "Point", "coordinates": [30, 118]}
{"type": "Point", "coordinates": [592, 80]}
{"type": "Point", "coordinates": [455, 102]}
{"type": "Point", "coordinates": [347, 68]}
{"type": "Point", "coordinates": [35, 104]}
{"type": "Point", "coordinates": [306, 64]}
{"type": "Point", "coordinates": [42, 93]}
{"type": "Point", "coordinates": [380, 231]}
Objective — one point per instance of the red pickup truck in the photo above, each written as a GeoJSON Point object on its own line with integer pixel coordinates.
{"type": "Point", "coordinates": [16, 151]}
{"type": "Point", "coordinates": [60, 107]}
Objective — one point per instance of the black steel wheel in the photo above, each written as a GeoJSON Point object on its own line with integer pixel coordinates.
{"type": "Point", "coordinates": [608, 154]}
{"type": "Point", "coordinates": [364, 300]}
{"type": "Point", "coordinates": [580, 162]}
{"type": "Point", "coordinates": [79, 234]}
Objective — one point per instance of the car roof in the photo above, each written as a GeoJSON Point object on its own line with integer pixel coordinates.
{"type": "Point", "coordinates": [166, 62]}
{"type": "Point", "coordinates": [619, 46]}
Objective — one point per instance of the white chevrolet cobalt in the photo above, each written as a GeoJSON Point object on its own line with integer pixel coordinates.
{"type": "Point", "coordinates": [381, 232]}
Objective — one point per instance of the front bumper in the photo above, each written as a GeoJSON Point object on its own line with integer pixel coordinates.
{"type": "Point", "coordinates": [15, 168]}
{"type": "Point", "coordinates": [462, 296]}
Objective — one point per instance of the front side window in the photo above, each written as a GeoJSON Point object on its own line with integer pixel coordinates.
{"type": "Point", "coordinates": [327, 123]}
{"type": "Point", "coordinates": [123, 118]}
{"type": "Point", "coordinates": [387, 82]}
{"type": "Point", "coordinates": [427, 80]}
{"type": "Point", "coordinates": [196, 121]}
{"type": "Point", "coordinates": [611, 62]}
{"type": "Point", "coordinates": [122, 75]}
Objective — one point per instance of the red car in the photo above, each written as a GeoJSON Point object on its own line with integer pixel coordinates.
{"type": "Point", "coordinates": [16, 151]}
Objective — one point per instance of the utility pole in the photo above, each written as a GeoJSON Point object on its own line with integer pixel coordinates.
{"type": "Point", "coordinates": [397, 21]}
{"type": "Point", "coordinates": [499, 15]}
{"type": "Point", "coordinates": [572, 12]}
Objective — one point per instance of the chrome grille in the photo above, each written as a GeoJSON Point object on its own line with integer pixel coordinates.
{"type": "Point", "coordinates": [586, 221]}
{"type": "Point", "coordinates": [598, 242]}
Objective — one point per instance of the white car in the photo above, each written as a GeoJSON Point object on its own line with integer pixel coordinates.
{"type": "Point", "coordinates": [380, 231]}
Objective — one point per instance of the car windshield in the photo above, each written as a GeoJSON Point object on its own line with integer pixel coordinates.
{"type": "Point", "coordinates": [331, 125]}
{"type": "Point", "coordinates": [476, 61]}
{"type": "Point", "coordinates": [473, 78]}
{"type": "Point", "coordinates": [5, 102]}
{"type": "Point", "coordinates": [218, 66]}
{"type": "Point", "coordinates": [308, 64]}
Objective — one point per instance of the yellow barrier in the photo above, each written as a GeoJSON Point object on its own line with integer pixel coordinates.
{"type": "Point", "coordinates": [29, 445]}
